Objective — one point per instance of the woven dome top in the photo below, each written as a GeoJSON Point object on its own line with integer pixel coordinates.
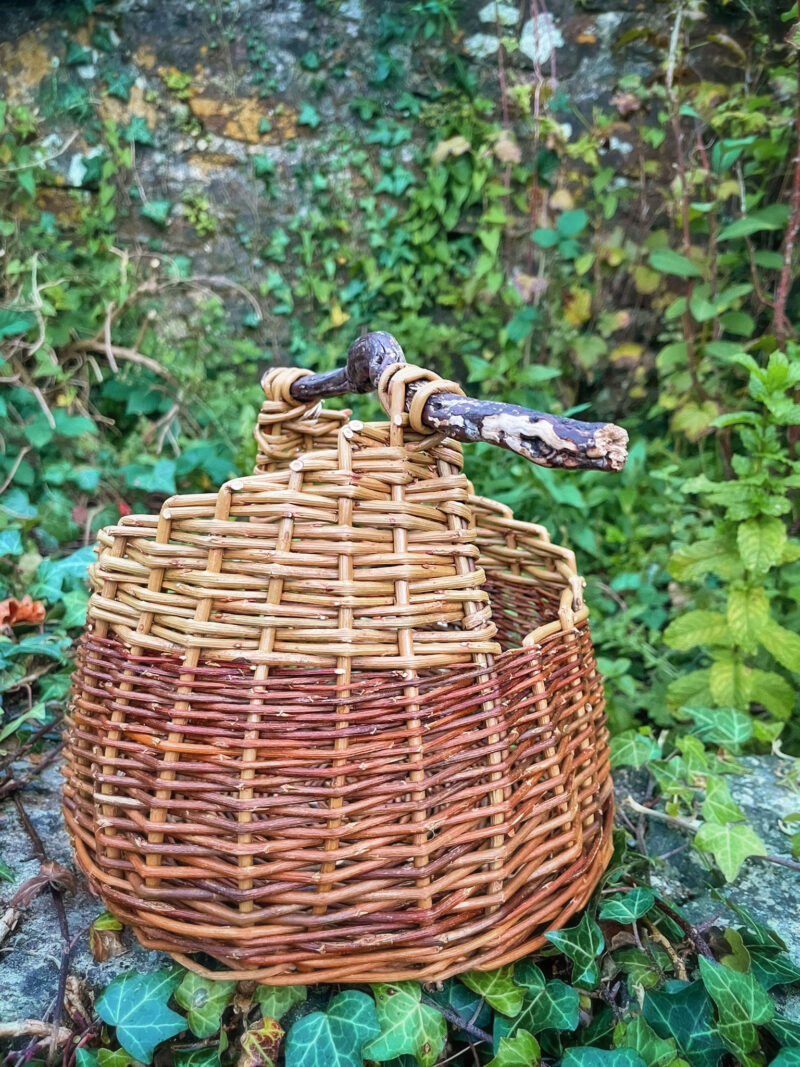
{"type": "Point", "coordinates": [365, 551]}
{"type": "Point", "coordinates": [354, 546]}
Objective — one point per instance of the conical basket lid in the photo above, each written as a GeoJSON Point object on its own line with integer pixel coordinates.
{"type": "Point", "coordinates": [365, 552]}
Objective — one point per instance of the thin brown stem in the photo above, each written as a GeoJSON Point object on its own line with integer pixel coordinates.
{"type": "Point", "coordinates": [781, 326]}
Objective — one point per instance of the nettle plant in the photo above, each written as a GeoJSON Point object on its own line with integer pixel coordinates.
{"type": "Point", "coordinates": [746, 561]}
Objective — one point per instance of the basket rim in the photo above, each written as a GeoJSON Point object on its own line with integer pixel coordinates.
{"type": "Point", "coordinates": [487, 512]}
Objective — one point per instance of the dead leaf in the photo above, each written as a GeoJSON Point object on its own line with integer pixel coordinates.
{"type": "Point", "coordinates": [106, 944]}
{"type": "Point", "coordinates": [622, 939]}
{"type": "Point", "coordinates": [506, 148]}
{"type": "Point", "coordinates": [733, 46]}
{"type": "Point", "coordinates": [453, 146]}
{"type": "Point", "coordinates": [78, 1001]}
{"type": "Point", "coordinates": [577, 306]}
{"type": "Point", "coordinates": [260, 1046]}
{"type": "Point", "coordinates": [562, 200]}
{"type": "Point", "coordinates": [527, 285]}
{"type": "Point", "coordinates": [49, 874]}
{"type": "Point", "coordinates": [626, 103]}
{"type": "Point", "coordinates": [15, 612]}
{"type": "Point", "coordinates": [8, 922]}
{"type": "Point", "coordinates": [626, 354]}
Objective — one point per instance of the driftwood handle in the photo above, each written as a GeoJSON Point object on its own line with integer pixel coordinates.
{"type": "Point", "coordinates": [549, 440]}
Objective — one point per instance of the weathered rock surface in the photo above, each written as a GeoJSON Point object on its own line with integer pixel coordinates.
{"type": "Point", "coordinates": [771, 893]}
{"type": "Point", "coordinates": [31, 956]}
{"type": "Point", "coordinates": [206, 89]}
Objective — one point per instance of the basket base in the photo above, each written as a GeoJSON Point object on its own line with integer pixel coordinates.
{"type": "Point", "coordinates": [517, 929]}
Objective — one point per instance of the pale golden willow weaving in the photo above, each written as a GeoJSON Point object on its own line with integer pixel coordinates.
{"type": "Point", "coordinates": [340, 721]}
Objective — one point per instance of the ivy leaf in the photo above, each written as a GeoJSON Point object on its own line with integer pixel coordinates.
{"type": "Point", "coordinates": [204, 1000]}
{"type": "Point", "coordinates": [547, 1005]}
{"type": "Point", "coordinates": [261, 1045]}
{"type": "Point", "coordinates": [136, 1004]}
{"type": "Point", "coordinates": [628, 907]}
{"type": "Point", "coordinates": [15, 322]}
{"type": "Point", "coordinates": [669, 262]}
{"type": "Point", "coordinates": [721, 726]}
{"type": "Point", "coordinates": [196, 1057]}
{"type": "Point", "coordinates": [308, 116]}
{"type": "Point", "coordinates": [761, 542]}
{"type": "Point", "coordinates": [633, 749]}
{"type": "Point", "coordinates": [158, 211]}
{"type": "Point", "coordinates": [498, 989]}
{"type": "Point", "coordinates": [641, 1037]}
{"type": "Point", "coordinates": [336, 1037]}
{"type": "Point", "coordinates": [697, 628]}
{"type": "Point", "coordinates": [772, 968]}
{"type": "Point", "coordinates": [406, 1025]}
{"type": "Point", "coordinates": [54, 574]}
{"type": "Point", "coordinates": [521, 1050]}
{"type": "Point", "coordinates": [11, 543]}
{"type": "Point", "coordinates": [137, 130]}
{"type": "Point", "coordinates": [113, 1057]}
{"type": "Point", "coordinates": [687, 1016]}
{"type": "Point", "coordinates": [119, 83]}
{"type": "Point", "coordinates": [785, 1030]}
{"type": "Point", "coordinates": [719, 806]}
{"type": "Point", "coordinates": [601, 1057]}
{"type": "Point", "coordinates": [756, 934]}
{"type": "Point", "coordinates": [787, 1057]}
{"type": "Point", "coordinates": [468, 1005]}
{"type": "Point", "coordinates": [582, 944]}
{"type": "Point", "coordinates": [275, 1001]}
{"type": "Point", "coordinates": [730, 845]}
{"type": "Point", "coordinates": [741, 1002]}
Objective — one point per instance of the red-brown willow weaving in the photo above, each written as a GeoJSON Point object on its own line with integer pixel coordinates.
{"type": "Point", "coordinates": [339, 721]}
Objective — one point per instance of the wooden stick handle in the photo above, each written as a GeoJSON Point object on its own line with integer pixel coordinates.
{"type": "Point", "coordinates": [549, 440]}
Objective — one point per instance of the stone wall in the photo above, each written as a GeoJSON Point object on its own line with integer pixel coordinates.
{"type": "Point", "coordinates": [226, 101]}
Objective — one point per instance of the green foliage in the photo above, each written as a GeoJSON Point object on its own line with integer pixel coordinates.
{"type": "Point", "coordinates": [483, 235]}
{"type": "Point", "coordinates": [276, 1001]}
{"type": "Point", "coordinates": [498, 989]}
{"type": "Point", "coordinates": [582, 944]}
{"type": "Point", "coordinates": [335, 1037]}
{"type": "Point", "coordinates": [627, 907]}
{"type": "Point", "coordinates": [204, 1001]}
{"type": "Point", "coordinates": [521, 1050]}
{"type": "Point", "coordinates": [407, 1026]}
{"type": "Point", "coordinates": [136, 1005]}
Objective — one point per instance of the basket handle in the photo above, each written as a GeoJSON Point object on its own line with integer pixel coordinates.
{"type": "Point", "coordinates": [549, 440]}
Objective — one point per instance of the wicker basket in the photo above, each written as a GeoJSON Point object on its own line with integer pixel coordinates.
{"type": "Point", "coordinates": [340, 720]}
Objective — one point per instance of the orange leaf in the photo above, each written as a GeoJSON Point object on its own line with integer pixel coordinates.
{"type": "Point", "coordinates": [15, 612]}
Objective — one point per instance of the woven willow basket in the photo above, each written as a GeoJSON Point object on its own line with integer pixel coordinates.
{"type": "Point", "coordinates": [340, 720]}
